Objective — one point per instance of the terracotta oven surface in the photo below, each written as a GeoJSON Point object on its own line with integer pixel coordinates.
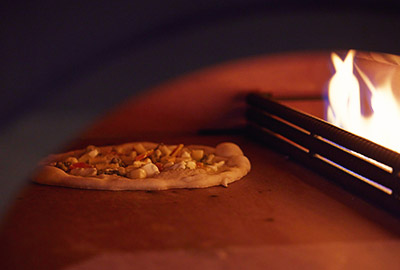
{"type": "Point", "coordinates": [280, 215]}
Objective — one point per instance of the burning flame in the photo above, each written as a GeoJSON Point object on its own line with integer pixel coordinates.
{"type": "Point", "coordinates": [345, 108]}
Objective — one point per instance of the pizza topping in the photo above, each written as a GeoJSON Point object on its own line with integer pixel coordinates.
{"type": "Point", "coordinates": [164, 150]}
{"type": "Point", "coordinates": [191, 165]}
{"type": "Point", "coordinates": [71, 160]}
{"type": "Point", "coordinates": [129, 158]}
{"type": "Point", "coordinates": [84, 171]}
{"type": "Point", "coordinates": [186, 155]}
{"type": "Point", "coordinates": [178, 166]}
{"type": "Point", "coordinates": [159, 165]}
{"type": "Point", "coordinates": [151, 169]}
{"type": "Point", "coordinates": [197, 154]}
{"type": "Point", "coordinates": [167, 164]}
{"type": "Point", "coordinates": [137, 174]}
{"type": "Point", "coordinates": [144, 155]}
{"type": "Point", "coordinates": [137, 162]}
{"type": "Point", "coordinates": [88, 155]}
{"type": "Point", "coordinates": [208, 159]}
{"type": "Point", "coordinates": [176, 150]}
{"type": "Point", "coordinates": [199, 164]}
{"type": "Point", "coordinates": [61, 165]}
{"type": "Point", "coordinates": [139, 148]}
{"type": "Point", "coordinates": [214, 167]}
{"type": "Point", "coordinates": [168, 159]}
{"type": "Point", "coordinates": [156, 155]}
{"type": "Point", "coordinates": [80, 165]}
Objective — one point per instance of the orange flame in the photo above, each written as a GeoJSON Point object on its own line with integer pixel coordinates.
{"type": "Point", "coordinates": [344, 109]}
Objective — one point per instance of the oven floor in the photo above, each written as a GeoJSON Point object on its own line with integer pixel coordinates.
{"type": "Point", "coordinates": [280, 215]}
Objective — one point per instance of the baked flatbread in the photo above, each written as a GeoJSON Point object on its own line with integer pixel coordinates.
{"type": "Point", "coordinates": [145, 166]}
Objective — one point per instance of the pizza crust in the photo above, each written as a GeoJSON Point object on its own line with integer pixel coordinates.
{"type": "Point", "coordinates": [235, 167]}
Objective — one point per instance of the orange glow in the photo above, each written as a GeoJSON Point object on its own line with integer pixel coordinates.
{"type": "Point", "coordinates": [345, 109]}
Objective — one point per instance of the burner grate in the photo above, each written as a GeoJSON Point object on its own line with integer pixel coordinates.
{"type": "Point", "coordinates": [357, 164]}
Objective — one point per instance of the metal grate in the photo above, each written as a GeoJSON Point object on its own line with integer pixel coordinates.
{"type": "Point", "coordinates": [357, 164]}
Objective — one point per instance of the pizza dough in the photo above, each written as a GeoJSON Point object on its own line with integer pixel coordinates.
{"type": "Point", "coordinates": [145, 166]}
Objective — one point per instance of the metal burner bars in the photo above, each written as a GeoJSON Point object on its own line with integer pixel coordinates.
{"type": "Point", "coordinates": [353, 162]}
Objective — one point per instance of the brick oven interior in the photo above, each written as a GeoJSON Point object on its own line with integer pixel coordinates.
{"type": "Point", "coordinates": [68, 66]}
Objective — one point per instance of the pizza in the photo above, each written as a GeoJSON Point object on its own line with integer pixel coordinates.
{"type": "Point", "coordinates": [145, 166]}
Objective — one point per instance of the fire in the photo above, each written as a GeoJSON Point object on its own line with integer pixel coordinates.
{"type": "Point", "coordinates": [346, 109]}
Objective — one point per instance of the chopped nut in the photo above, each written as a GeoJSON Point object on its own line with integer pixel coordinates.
{"type": "Point", "coordinates": [168, 159]}
{"type": "Point", "coordinates": [137, 174]}
{"type": "Point", "coordinates": [93, 153]}
{"type": "Point", "coordinates": [151, 169]}
{"type": "Point", "coordinates": [98, 159]}
{"type": "Point", "coordinates": [62, 166]}
{"type": "Point", "coordinates": [84, 158]}
{"type": "Point", "coordinates": [208, 159]}
{"type": "Point", "coordinates": [130, 168]}
{"type": "Point", "coordinates": [212, 168]}
{"type": "Point", "coordinates": [71, 160]}
{"type": "Point", "coordinates": [147, 160]}
{"type": "Point", "coordinates": [220, 163]}
{"type": "Point", "coordinates": [191, 165]}
{"type": "Point", "coordinates": [121, 170]}
{"type": "Point", "coordinates": [90, 148]}
{"type": "Point", "coordinates": [139, 148]}
{"type": "Point", "coordinates": [105, 166]}
{"type": "Point", "coordinates": [132, 154]}
{"type": "Point", "coordinates": [197, 154]}
{"type": "Point", "coordinates": [168, 164]}
{"type": "Point", "coordinates": [127, 160]}
{"type": "Point", "coordinates": [177, 166]}
{"type": "Point", "coordinates": [155, 157]}
{"type": "Point", "coordinates": [199, 164]}
{"type": "Point", "coordinates": [111, 171]}
{"type": "Point", "coordinates": [165, 150]}
{"type": "Point", "coordinates": [115, 160]}
{"type": "Point", "coordinates": [185, 155]}
{"type": "Point", "coordinates": [121, 149]}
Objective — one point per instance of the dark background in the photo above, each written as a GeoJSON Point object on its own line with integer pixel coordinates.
{"type": "Point", "coordinates": [63, 63]}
